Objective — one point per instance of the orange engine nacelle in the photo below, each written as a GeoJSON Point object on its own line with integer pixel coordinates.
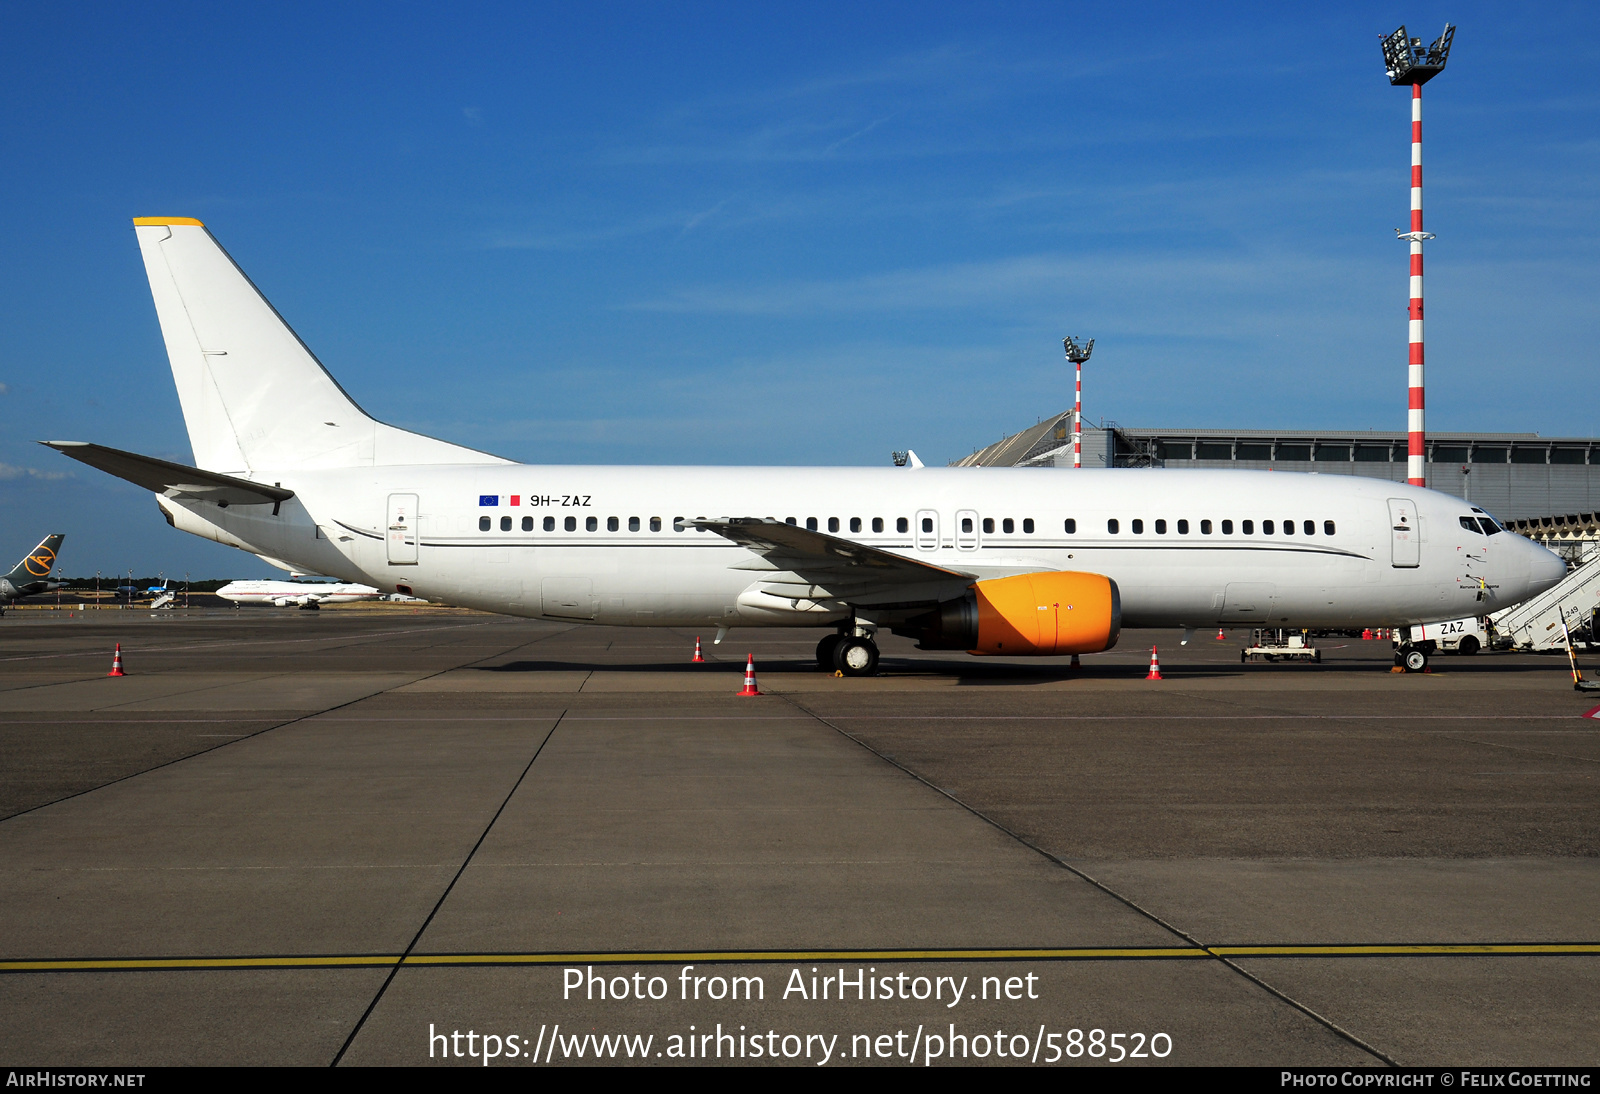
{"type": "Point", "coordinates": [1041, 614]}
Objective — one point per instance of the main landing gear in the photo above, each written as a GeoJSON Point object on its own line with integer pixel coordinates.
{"type": "Point", "coordinates": [852, 654]}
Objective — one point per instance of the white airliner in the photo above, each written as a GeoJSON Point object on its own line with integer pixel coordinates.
{"type": "Point", "coordinates": [306, 595]}
{"type": "Point", "coordinates": [994, 561]}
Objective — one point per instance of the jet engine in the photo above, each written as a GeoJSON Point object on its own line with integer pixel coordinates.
{"type": "Point", "coordinates": [1040, 614]}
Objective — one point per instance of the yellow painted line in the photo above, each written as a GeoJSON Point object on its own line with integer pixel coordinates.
{"type": "Point", "coordinates": [1468, 949]}
{"type": "Point", "coordinates": [752, 956]}
{"type": "Point", "coordinates": [691, 957]}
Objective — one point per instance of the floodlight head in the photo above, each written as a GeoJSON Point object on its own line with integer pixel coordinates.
{"type": "Point", "coordinates": [1075, 353]}
{"type": "Point", "coordinates": [1407, 62]}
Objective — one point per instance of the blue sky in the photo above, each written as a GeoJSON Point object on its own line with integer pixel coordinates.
{"type": "Point", "coordinates": [801, 234]}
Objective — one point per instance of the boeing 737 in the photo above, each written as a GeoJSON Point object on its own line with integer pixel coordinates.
{"type": "Point", "coordinates": [992, 561]}
{"type": "Point", "coordinates": [308, 596]}
{"type": "Point", "coordinates": [31, 576]}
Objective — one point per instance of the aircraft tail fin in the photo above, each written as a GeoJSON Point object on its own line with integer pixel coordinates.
{"type": "Point", "coordinates": [254, 396]}
{"type": "Point", "coordinates": [38, 563]}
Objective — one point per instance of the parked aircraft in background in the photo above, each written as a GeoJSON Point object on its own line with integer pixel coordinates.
{"type": "Point", "coordinates": [31, 576]}
{"type": "Point", "coordinates": [989, 560]}
{"type": "Point", "coordinates": [303, 594]}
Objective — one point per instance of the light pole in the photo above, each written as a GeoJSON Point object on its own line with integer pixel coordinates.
{"type": "Point", "coordinates": [1077, 355]}
{"type": "Point", "coordinates": [1407, 62]}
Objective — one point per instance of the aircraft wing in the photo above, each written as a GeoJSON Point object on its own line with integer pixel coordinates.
{"type": "Point", "coordinates": [827, 559]}
{"type": "Point", "coordinates": [174, 480]}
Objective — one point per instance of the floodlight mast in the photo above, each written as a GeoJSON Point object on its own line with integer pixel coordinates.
{"type": "Point", "coordinates": [1407, 62]}
{"type": "Point", "coordinates": [1077, 355]}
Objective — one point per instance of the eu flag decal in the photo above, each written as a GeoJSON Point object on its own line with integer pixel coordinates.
{"type": "Point", "coordinates": [488, 499]}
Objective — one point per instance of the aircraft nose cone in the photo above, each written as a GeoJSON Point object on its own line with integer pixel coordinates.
{"type": "Point", "coordinates": [1545, 569]}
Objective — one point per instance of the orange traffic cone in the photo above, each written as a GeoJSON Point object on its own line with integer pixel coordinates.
{"type": "Point", "coordinates": [1366, 634]}
{"type": "Point", "coordinates": [1220, 636]}
{"type": "Point", "coordinates": [116, 662]}
{"type": "Point", "coordinates": [697, 657]}
{"type": "Point", "coordinates": [750, 677]}
{"type": "Point", "coordinates": [1155, 666]}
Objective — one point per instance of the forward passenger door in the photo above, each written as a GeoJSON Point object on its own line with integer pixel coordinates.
{"type": "Point", "coordinates": [1405, 535]}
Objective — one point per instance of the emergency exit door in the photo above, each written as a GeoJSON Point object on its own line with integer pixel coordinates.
{"type": "Point", "coordinates": [402, 526]}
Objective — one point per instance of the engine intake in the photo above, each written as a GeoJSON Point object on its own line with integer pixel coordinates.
{"type": "Point", "coordinates": [1031, 614]}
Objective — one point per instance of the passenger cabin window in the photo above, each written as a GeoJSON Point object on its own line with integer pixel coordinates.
{"type": "Point", "coordinates": [633, 524]}
{"type": "Point", "coordinates": [966, 524]}
{"type": "Point", "coordinates": [988, 524]}
{"type": "Point", "coordinates": [1183, 527]}
{"type": "Point", "coordinates": [549, 524]}
{"type": "Point", "coordinates": [1112, 526]}
{"type": "Point", "coordinates": [591, 524]}
{"type": "Point", "coordinates": [1266, 527]}
{"type": "Point", "coordinates": [791, 520]}
{"type": "Point", "coordinates": [677, 524]}
{"type": "Point", "coordinates": [1227, 527]}
{"type": "Point", "coordinates": [1161, 527]}
{"type": "Point", "coordinates": [655, 524]}
{"type": "Point", "coordinates": [901, 524]}
{"type": "Point", "coordinates": [1327, 527]}
{"type": "Point", "coordinates": [612, 525]}
{"type": "Point", "coordinates": [527, 524]}
{"type": "Point", "coordinates": [1288, 527]}
{"type": "Point", "coordinates": [811, 524]}
{"type": "Point", "coordinates": [877, 524]}
{"type": "Point", "coordinates": [1138, 527]}
{"type": "Point", "coordinates": [505, 524]}
{"type": "Point", "coordinates": [1248, 527]}
{"type": "Point", "coordinates": [1309, 528]}
{"type": "Point", "coordinates": [1205, 527]}
{"type": "Point", "coordinates": [483, 524]}
{"type": "Point", "coordinates": [833, 524]}
{"type": "Point", "coordinates": [855, 524]}
{"type": "Point", "coordinates": [1070, 526]}
{"type": "Point", "coordinates": [1008, 526]}
{"type": "Point", "coordinates": [1027, 526]}
{"type": "Point", "coordinates": [570, 524]}
{"type": "Point", "coordinates": [927, 524]}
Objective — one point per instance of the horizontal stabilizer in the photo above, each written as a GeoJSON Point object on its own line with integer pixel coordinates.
{"type": "Point", "coordinates": [172, 480]}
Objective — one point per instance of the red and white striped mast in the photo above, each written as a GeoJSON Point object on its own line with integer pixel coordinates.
{"type": "Point", "coordinates": [1077, 355]}
{"type": "Point", "coordinates": [1408, 63]}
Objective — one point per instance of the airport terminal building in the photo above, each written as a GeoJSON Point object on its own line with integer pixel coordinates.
{"type": "Point", "coordinates": [1519, 477]}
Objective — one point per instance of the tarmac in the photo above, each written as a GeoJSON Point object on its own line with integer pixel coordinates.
{"type": "Point", "coordinates": [348, 836]}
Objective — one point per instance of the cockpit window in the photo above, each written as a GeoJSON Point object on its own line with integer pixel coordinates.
{"type": "Point", "coordinates": [1470, 525]}
{"type": "Point", "coordinates": [1489, 526]}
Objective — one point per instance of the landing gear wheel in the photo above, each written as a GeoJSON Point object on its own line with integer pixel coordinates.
{"type": "Point", "coordinates": [855, 656]}
{"type": "Point", "coordinates": [311, 607]}
{"type": "Point", "coordinates": [1415, 660]}
{"type": "Point", "coordinates": [825, 650]}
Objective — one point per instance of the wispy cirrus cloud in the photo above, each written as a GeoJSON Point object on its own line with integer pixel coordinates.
{"type": "Point", "coordinates": [11, 471]}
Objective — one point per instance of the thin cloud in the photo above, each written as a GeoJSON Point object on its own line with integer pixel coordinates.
{"type": "Point", "coordinates": [11, 471]}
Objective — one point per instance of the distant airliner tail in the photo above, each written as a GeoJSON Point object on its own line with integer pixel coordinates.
{"type": "Point", "coordinates": [254, 396]}
{"type": "Point", "coordinates": [38, 563]}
